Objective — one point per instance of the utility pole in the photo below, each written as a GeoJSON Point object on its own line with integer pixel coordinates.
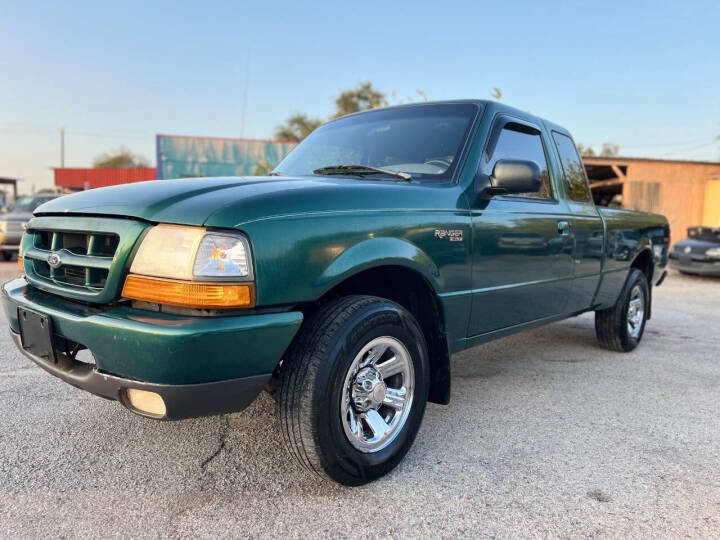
{"type": "Point", "coordinates": [245, 92]}
{"type": "Point", "coordinates": [62, 148]}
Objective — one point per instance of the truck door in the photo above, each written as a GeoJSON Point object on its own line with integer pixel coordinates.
{"type": "Point", "coordinates": [522, 251]}
{"type": "Point", "coordinates": [586, 225]}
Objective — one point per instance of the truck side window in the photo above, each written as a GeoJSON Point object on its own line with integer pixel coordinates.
{"type": "Point", "coordinates": [515, 144]}
{"type": "Point", "coordinates": [572, 167]}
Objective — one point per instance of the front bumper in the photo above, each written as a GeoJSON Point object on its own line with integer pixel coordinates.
{"type": "Point", "coordinates": [199, 365]}
{"type": "Point", "coordinates": [181, 400]}
{"type": "Point", "coordinates": [10, 242]}
{"type": "Point", "coordinates": [701, 268]}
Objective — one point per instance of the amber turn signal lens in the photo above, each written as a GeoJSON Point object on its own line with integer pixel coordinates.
{"type": "Point", "coordinates": [20, 264]}
{"type": "Point", "coordinates": [188, 293]}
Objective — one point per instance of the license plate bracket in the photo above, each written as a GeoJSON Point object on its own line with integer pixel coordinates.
{"type": "Point", "coordinates": [36, 334]}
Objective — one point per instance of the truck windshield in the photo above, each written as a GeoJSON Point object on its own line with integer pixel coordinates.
{"type": "Point", "coordinates": [424, 141]}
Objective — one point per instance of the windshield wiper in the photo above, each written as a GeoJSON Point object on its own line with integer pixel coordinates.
{"type": "Point", "coordinates": [360, 170]}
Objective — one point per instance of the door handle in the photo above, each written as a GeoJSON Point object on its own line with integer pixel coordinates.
{"type": "Point", "coordinates": [563, 228]}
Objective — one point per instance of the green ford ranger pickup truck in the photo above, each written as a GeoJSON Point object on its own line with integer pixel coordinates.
{"type": "Point", "coordinates": [342, 282]}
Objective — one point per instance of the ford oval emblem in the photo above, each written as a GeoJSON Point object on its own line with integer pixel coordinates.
{"type": "Point", "coordinates": [54, 260]}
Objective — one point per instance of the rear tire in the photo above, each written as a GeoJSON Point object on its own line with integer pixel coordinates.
{"type": "Point", "coordinates": [353, 388]}
{"type": "Point", "coordinates": [620, 328]}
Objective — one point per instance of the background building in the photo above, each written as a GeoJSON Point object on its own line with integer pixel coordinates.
{"type": "Point", "coordinates": [180, 156]}
{"type": "Point", "coordinates": [77, 179]}
{"type": "Point", "coordinates": [8, 185]}
{"type": "Point", "coordinates": [687, 192]}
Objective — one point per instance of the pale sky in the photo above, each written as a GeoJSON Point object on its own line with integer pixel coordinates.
{"type": "Point", "coordinates": [638, 74]}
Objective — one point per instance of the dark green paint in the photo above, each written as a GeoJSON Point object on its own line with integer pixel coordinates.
{"type": "Point", "coordinates": [511, 271]}
{"type": "Point", "coordinates": [163, 348]}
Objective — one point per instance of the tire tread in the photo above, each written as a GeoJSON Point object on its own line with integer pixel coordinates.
{"type": "Point", "coordinates": [609, 323]}
{"type": "Point", "coordinates": [301, 363]}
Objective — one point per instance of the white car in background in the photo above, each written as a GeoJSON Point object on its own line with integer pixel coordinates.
{"type": "Point", "coordinates": [12, 223]}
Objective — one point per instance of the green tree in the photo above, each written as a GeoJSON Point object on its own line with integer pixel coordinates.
{"type": "Point", "coordinates": [362, 98]}
{"type": "Point", "coordinates": [297, 127]}
{"type": "Point", "coordinates": [585, 151]}
{"type": "Point", "coordinates": [121, 158]}
{"type": "Point", "coordinates": [262, 168]}
{"type": "Point", "coordinates": [395, 100]}
{"type": "Point", "coordinates": [609, 150]}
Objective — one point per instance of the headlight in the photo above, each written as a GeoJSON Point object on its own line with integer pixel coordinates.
{"type": "Point", "coordinates": [3, 226]}
{"type": "Point", "coordinates": [179, 252]}
{"type": "Point", "coordinates": [713, 253]}
{"type": "Point", "coordinates": [192, 267]}
{"type": "Point", "coordinates": [222, 256]}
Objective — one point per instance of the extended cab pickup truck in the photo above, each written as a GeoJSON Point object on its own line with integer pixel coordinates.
{"type": "Point", "coordinates": [342, 283]}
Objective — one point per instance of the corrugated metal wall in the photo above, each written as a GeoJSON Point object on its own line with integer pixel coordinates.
{"type": "Point", "coordinates": [646, 196]}
{"type": "Point", "coordinates": [181, 156]}
{"type": "Point", "coordinates": [94, 178]}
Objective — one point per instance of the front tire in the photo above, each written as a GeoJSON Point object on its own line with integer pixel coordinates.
{"type": "Point", "coordinates": [621, 327]}
{"type": "Point", "coordinates": [353, 388]}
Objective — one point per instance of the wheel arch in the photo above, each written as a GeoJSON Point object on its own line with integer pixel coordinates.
{"type": "Point", "coordinates": [373, 253]}
{"type": "Point", "coordinates": [405, 284]}
{"type": "Point", "coordinates": [644, 262]}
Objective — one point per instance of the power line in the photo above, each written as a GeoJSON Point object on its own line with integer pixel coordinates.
{"type": "Point", "coordinates": [47, 129]}
{"type": "Point", "coordinates": [690, 149]}
{"type": "Point", "coordinates": [661, 145]}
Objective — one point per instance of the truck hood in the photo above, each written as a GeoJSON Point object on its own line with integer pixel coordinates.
{"type": "Point", "coordinates": [229, 202]}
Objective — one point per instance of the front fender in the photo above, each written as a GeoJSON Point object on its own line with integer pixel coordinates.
{"type": "Point", "coordinates": [299, 258]}
{"type": "Point", "coordinates": [375, 252]}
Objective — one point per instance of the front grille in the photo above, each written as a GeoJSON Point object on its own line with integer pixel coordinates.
{"type": "Point", "coordinates": [81, 258]}
{"type": "Point", "coordinates": [695, 250]}
{"type": "Point", "coordinates": [101, 245]}
{"type": "Point", "coordinates": [14, 227]}
{"type": "Point", "coordinates": [89, 257]}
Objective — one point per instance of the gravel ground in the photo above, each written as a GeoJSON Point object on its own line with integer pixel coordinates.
{"type": "Point", "coordinates": [546, 435]}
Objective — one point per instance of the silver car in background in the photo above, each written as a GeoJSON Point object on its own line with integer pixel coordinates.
{"type": "Point", "coordinates": [12, 223]}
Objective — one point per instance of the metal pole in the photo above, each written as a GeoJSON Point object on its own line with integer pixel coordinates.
{"type": "Point", "coordinates": [62, 148]}
{"type": "Point", "coordinates": [245, 92]}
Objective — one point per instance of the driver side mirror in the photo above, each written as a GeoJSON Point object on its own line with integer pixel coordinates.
{"type": "Point", "coordinates": [515, 176]}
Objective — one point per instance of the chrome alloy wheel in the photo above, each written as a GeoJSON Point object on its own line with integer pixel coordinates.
{"type": "Point", "coordinates": [635, 312]}
{"type": "Point", "coordinates": [377, 394]}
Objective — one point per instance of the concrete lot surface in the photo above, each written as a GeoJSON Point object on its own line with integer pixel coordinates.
{"type": "Point", "coordinates": [546, 434]}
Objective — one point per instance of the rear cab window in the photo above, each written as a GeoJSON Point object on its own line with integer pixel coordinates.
{"type": "Point", "coordinates": [573, 168]}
